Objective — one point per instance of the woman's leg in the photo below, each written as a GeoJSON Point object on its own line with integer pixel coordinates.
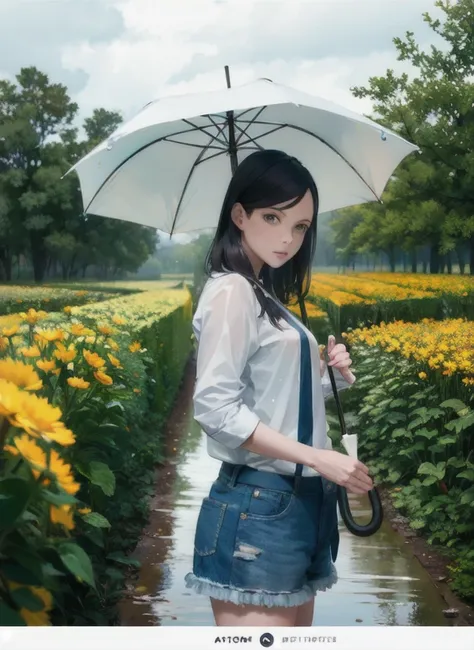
{"type": "Point", "coordinates": [304, 615]}
{"type": "Point", "coordinates": [228, 614]}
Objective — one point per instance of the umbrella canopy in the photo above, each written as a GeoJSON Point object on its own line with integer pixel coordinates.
{"type": "Point", "coordinates": [169, 166]}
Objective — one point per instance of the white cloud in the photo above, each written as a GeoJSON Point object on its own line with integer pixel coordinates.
{"type": "Point", "coordinates": [322, 47]}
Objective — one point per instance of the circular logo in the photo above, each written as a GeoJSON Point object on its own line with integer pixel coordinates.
{"type": "Point", "coordinates": [267, 640]}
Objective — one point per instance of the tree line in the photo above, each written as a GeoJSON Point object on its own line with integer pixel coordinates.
{"type": "Point", "coordinates": [428, 206]}
{"type": "Point", "coordinates": [42, 224]}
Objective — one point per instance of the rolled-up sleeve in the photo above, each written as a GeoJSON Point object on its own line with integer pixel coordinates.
{"type": "Point", "coordinates": [228, 337]}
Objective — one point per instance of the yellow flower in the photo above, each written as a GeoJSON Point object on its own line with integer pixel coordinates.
{"type": "Point", "coordinates": [10, 398]}
{"type": "Point", "coordinates": [30, 352]}
{"type": "Point", "coordinates": [103, 378]}
{"type": "Point", "coordinates": [114, 361]}
{"type": "Point", "coordinates": [40, 618]}
{"type": "Point", "coordinates": [422, 375]}
{"type": "Point", "coordinates": [84, 511]}
{"type": "Point", "coordinates": [135, 346]}
{"type": "Point", "coordinates": [137, 391]}
{"type": "Point", "coordinates": [106, 330]}
{"type": "Point", "coordinates": [32, 316]}
{"type": "Point", "coordinates": [78, 382]}
{"type": "Point", "coordinates": [40, 419]}
{"type": "Point", "coordinates": [51, 335]}
{"type": "Point", "coordinates": [65, 355]}
{"type": "Point", "coordinates": [113, 344]}
{"type": "Point", "coordinates": [36, 457]}
{"type": "Point", "coordinates": [67, 309]}
{"type": "Point", "coordinates": [62, 515]}
{"type": "Point", "coordinates": [93, 359]}
{"type": "Point", "coordinates": [90, 340]}
{"type": "Point", "coordinates": [10, 331]}
{"type": "Point", "coordinates": [21, 374]}
{"type": "Point", "coordinates": [77, 329]}
{"type": "Point", "coordinates": [3, 343]}
{"type": "Point", "coordinates": [118, 320]}
{"type": "Point", "coordinates": [46, 365]}
{"type": "Point", "coordinates": [469, 381]}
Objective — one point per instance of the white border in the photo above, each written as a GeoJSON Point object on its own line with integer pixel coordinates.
{"type": "Point", "coordinates": [205, 638]}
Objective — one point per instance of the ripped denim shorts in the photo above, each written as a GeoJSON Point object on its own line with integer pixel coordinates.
{"type": "Point", "coordinates": [265, 539]}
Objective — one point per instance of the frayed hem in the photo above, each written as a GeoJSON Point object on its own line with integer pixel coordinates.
{"type": "Point", "coordinates": [205, 587]}
{"type": "Point", "coordinates": [323, 584]}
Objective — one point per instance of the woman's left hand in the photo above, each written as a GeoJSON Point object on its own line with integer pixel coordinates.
{"type": "Point", "coordinates": [340, 358]}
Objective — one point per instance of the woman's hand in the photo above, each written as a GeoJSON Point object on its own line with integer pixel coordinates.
{"type": "Point", "coordinates": [343, 470]}
{"type": "Point", "coordinates": [339, 358]}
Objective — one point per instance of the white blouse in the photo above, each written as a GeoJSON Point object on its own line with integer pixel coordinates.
{"type": "Point", "coordinates": [249, 371]}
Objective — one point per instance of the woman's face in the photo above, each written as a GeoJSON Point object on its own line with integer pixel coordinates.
{"type": "Point", "coordinates": [274, 235]}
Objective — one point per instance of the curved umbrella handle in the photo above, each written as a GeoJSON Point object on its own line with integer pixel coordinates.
{"type": "Point", "coordinates": [352, 526]}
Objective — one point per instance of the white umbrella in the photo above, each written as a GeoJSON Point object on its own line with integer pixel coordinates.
{"type": "Point", "coordinates": [169, 166]}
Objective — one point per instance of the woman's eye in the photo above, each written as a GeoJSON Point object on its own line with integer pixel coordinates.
{"type": "Point", "coordinates": [303, 227]}
{"type": "Point", "coordinates": [270, 218]}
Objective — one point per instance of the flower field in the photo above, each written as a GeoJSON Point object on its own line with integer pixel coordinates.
{"type": "Point", "coordinates": [84, 392]}
{"type": "Point", "coordinates": [16, 298]}
{"type": "Point", "coordinates": [369, 298]}
{"type": "Point", "coordinates": [414, 413]}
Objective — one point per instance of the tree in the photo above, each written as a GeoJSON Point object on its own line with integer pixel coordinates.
{"type": "Point", "coordinates": [435, 110]}
{"type": "Point", "coordinates": [31, 113]}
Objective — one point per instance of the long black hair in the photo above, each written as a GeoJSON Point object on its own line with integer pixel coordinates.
{"type": "Point", "coordinates": [264, 179]}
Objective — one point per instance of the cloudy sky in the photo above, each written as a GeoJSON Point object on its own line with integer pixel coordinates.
{"type": "Point", "coordinates": [119, 54]}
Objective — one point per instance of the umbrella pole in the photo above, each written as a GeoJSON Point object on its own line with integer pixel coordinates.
{"type": "Point", "coordinates": [231, 124]}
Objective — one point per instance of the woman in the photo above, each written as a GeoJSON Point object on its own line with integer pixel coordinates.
{"type": "Point", "coordinates": [267, 534]}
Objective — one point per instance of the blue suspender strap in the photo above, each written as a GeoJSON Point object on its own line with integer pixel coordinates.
{"type": "Point", "coordinates": [305, 415]}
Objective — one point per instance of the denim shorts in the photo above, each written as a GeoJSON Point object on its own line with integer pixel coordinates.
{"type": "Point", "coordinates": [265, 539]}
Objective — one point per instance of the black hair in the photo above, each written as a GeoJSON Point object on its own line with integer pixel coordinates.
{"type": "Point", "coordinates": [264, 179]}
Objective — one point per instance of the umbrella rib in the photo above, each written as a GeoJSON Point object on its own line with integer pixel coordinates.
{"type": "Point", "coordinates": [185, 187]}
{"type": "Point", "coordinates": [191, 144]}
{"type": "Point", "coordinates": [135, 153]}
{"type": "Point", "coordinates": [203, 130]}
{"type": "Point", "coordinates": [226, 139]}
{"type": "Point", "coordinates": [262, 135]}
{"type": "Point", "coordinates": [244, 131]}
{"type": "Point", "coordinates": [317, 137]}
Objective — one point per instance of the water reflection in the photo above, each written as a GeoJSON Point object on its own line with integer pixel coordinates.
{"type": "Point", "coordinates": [379, 582]}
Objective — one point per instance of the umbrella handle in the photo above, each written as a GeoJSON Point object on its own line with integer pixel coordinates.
{"type": "Point", "coordinates": [352, 526]}
{"type": "Point", "coordinates": [343, 501]}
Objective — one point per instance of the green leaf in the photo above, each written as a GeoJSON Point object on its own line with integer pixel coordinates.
{"type": "Point", "coordinates": [447, 440]}
{"type": "Point", "coordinates": [398, 402]}
{"type": "Point", "coordinates": [58, 499]}
{"type": "Point", "coordinates": [467, 497]}
{"type": "Point", "coordinates": [461, 423]}
{"type": "Point", "coordinates": [455, 404]}
{"type": "Point", "coordinates": [96, 520]}
{"type": "Point", "coordinates": [437, 471]}
{"type": "Point", "coordinates": [9, 616]}
{"type": "Point", "coordinates": [417, 524]}
{"type": "Point", "coordinates": [426, 433]}
{"type": "Point", "coordinates": [15, 493]}
{"type": "Point", "coordinates": [23, 597]}
{"type": "Point", "coordinates": [429, 480]}
{"type": "Point", "coordinates": [468, 473]}
{"type": "Point", "coordinates": [123, 559]}
{"type": "Point", "coordinates": [77, 561]}
{"type": "Point", "coordinates": [102, 476]}
{"type": "Point", "coordinates": [98, 474]}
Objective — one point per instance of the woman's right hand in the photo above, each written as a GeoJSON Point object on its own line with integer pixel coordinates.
{"type": "Point", "coordinates": [344, 470]}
